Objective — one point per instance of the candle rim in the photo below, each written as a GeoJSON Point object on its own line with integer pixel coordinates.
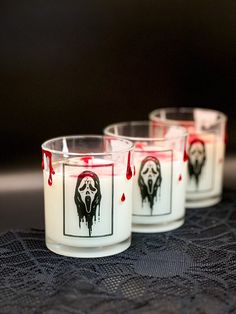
{"type": "Point", "coordinates": [140, 138]}
{"type": "Point", "coordinates": [130, 146]}
{"type": "Point", "coordinates": [152, 115]}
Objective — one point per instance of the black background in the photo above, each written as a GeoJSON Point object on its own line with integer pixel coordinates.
{"type": "Point", "coordinates": [71, 67]}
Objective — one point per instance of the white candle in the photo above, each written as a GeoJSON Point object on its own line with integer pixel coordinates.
{"type": "Point", "coordinates": [162, 173]}
{"type": "Point", "coordinates": [205, 171]}
{"type": "Point", "coordinates": [73, 181]}
{"type": "Point", "coordinates": [207, 132]}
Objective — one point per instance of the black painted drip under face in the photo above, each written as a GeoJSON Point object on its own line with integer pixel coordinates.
{"type": "Point", "coordinates": [88, 198]}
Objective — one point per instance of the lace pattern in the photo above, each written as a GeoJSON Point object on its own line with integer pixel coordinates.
{"type": "Point", "coordinates": [189, 270]}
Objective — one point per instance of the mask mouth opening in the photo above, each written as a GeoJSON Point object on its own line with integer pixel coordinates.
{"type": "Point", "coordinates": [88, 202]}
{"type": "Point", "coordinates": [150, 186]}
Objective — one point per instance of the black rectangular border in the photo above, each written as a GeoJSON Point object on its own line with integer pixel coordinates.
{"type": "Point", "coordinates": [171, 187]}
{"type": "Point", "coordinates": [197, 191]}
{"type": "Point", "coordinates": [112, 200]}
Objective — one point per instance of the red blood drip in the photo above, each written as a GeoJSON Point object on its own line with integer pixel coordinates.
{"type": "Point", "coordinates": [129, 170]}
{"type": "Point", "coordinates": [134, 171]}
{"type": "Point", "coordinates": [192, 138]}
{"type": "Point", "coordinates": [86, 159]}
{"type": "Point", "coordinates": [180, 178]}
{"type": "Point", "coordinates": [51, 170]}
{"type": "Point", "coordinates": [139, 145]}
{"type": "Point", "coordinates": [123, 197]}
{"type": "Point", "coordinates": [185, 156]}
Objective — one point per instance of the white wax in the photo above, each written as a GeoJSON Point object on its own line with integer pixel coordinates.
{"type": "Point", "coordinates": [169, 203]}
{"type": "Point", "coordinates": [61, 216]}
{"type": "Point", "coordinates": [211, 178]}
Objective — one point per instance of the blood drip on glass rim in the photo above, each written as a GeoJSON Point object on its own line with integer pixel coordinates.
{"type": "Point", "coordinates": [51, 170]}
{"type": "Point", "coordinates": [129, 170]}
{"type": "Point", "coordinates": [185, 156]}
{"type": "Point", "coordinates": [86, 159]}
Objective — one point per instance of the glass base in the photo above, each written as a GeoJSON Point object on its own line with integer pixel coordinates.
{"type": "Point", "coordinates": [206, 202]}
{"type": "Point", "coordinates": [162, 227]}
{"type": "Point", "coordinates": [89, 252]}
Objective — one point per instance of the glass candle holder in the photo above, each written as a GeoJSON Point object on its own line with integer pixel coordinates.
{"type": "Point", "coordinates": [160, 171]}
{"type": "Point", "coordinates": [206, 149]}
{"type": "Point", "coordinates": [88, 197]}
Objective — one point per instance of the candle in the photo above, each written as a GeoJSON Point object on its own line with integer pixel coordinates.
{"type": "Point", "coordinates": [88, 204]}
{"type": "Point", "coordinates": [206, 149]}
{"type": "Point", "coordinates": [205, 169]}
{"type": "Point", "coordinates": [160, 172]}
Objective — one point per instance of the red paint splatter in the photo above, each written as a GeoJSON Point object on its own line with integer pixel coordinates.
{"type": "Point", "coordinates": [195, 137]}
{"type": "Point", "coordinates": [86, 159]}
{"type": "Point", "coordinates": [185, 155]}
{"type": "Point", "coordinates": [139, 145]}
{"type": "Point", "coordinates": [123, 197]}
{"type": "Point", "coordinates": [129, 170]}
{"type": "Point", "coordinates": [192, 137]}
{"type": "Point", "coordinates": [51, 170]}
{"type": "Point", "coordinates": [180, 178]}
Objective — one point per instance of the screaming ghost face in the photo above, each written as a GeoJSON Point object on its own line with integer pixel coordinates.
{"type": "Point", "coordinates": [149, 179]}
{"type": "Point", "coordinates": [87, 197]}
{"type": "Point", "coordinates": [197, 158]}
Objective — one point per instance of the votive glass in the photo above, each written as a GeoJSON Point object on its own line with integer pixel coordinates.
{"type": "Point", "coordinates": [88, 197]}
{"type": "Point", "coordinates": [160, 171]}
{"type": "Point", "coordinates": [206, 150]}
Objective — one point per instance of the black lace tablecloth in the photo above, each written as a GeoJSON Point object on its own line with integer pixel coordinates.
{"type": "Point", "coordinates": [189, 270]}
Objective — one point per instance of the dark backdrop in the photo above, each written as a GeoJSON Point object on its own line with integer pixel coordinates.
{"type": "Point", "coordinates": [75, 66]}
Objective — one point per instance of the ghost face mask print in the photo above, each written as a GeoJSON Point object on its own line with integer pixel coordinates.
{"type": "Point", "coordinates": [197, 159]}
{"type": "Point", "coordinates": [149, 179]}
{"type": "Point", "coordinates": [87, 198]}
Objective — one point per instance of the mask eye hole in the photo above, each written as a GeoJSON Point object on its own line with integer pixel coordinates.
{"type": "Point", "coordinates": [153, 171]}
{"type": "Point", "coordinates": [83, 187]}
{"type": "Point", "coordinates": [92, 188]}
{"type": "Point", "coordinates": [145, 171]}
